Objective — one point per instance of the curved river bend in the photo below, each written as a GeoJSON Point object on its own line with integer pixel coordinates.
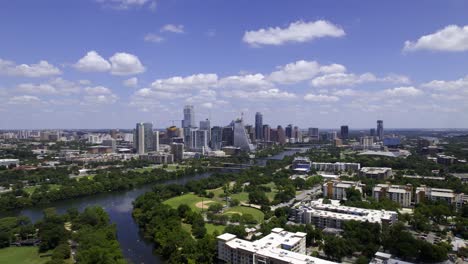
{"type": "Point", "coordinates": [119, 207]}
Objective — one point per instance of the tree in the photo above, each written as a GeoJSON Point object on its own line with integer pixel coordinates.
{"type": "Point", "coordinates": [336, 247]}
{"type": "Point", "coordinates": [215, 207]}
{"type": "Point", "coordinates": [183, 210]}
{"type": "Point", "coordinates": [234, 202]}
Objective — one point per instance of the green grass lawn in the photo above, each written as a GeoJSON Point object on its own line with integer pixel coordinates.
{"type": "Point", "coordinates": [189, 199]}
{"type": "Point", "coordinates": [257, 214]}
{"type": "Point", "coordinates": [243, 197]}
{"type": "Point", "coordinates": [30, 189]}
{"type": "Point", "coordinates": [23, 255]}
{"type": "Point", "coordinates": [210, 228]}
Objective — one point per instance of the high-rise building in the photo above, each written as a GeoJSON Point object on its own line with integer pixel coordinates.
{"type": "Point", "coordinates": [367, 142]}
{"type": "Point", "coordinates": [189, 117]}
{"type": "Point", "coordinates": [372, 132]}
{"type": "Point", "coordinates": [110, 143]}
{"type": "Point", "coordinates": [177, 149]}
{"type": "Point", "coordinates": [281, 135]}
{"type": "Point", "coordinates": [266, 133]}
{"type": "Point", "coordinates": [258, 126]}
{"type": "Point", "coordinates": [156, 141]}
{"type": "Point", "coordinates": [199, 140]}
{"type": "Point", "coordinates": [297, 134]}
{"type": "Point", "coordinates": [228, 136]}
{"type": "Point", "coordinates": [344, 132]}
{"type": "Point", "coordinates": [241, 137]}
{"type": "Point", "coordinates": [314, 133]}
{"type": "Point", "coordinates": [289, 131]}
{"type": "Point", "coordinates": [144, 138]}
{"type": "Point", "coordinates": [273, 135]}
{"type": "Point", "coordinates": [216, 138]}
{"type": "Point", "coordinates": [380, 131]}
{"type": "Point", "coordinates": [114, 133]}
{"type": "Point", "coordinates": [206, 125]}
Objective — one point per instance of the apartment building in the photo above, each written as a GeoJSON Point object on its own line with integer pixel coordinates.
{"type": "Point", "coordinates": [437, 194]}
{"type": "Point", "coordinates": [334, 215]}
{"type": "Point", "coordinates": [279, 247]}
{"type": "Point", "coordinates": [336, 190]}
{"type": "Point", "coordinates": [376, 173]}
{"type": "Point", "coordinates": [401, 194]}
{"type": "Point", "coordinates": [337, 166]}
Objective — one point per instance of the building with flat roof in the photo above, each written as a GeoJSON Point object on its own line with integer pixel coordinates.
{"type": "Point", "coordinates": [337, 166]}
{"type": "Point", "coordinates": [401, 194]}
{"type": "Point", "coordinates": [9, 162]}
{"type": "Point", "coordinates": [378, 173]}
{"type": "Point", "coordinates": [158, 157]}
{"type": "Point", "coordinates": [279, 247]}
{"type": "Point", "coordinates": [437, 194]}
{"type": "Point", "coordinates": [336, 190]}
{"type": "Point", "coordinates": [301, 164]}
{"type": "Point", "coordinates": [334, 215]}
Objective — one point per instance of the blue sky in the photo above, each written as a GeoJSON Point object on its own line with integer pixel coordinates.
{"type": "Point", "coordinates": [112, 63]}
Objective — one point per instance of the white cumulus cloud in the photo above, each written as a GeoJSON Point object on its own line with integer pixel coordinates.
{"type": "Point", "coordinates": [41, 69]}
{"type": "Point", "coordinates": [302, 70]}
{"type": "Point", "coordinates": [298, 31]}
{"type": "Point", "coordinates": [155, 38]}
{"type": "Point", "coordinates": [451, 38]}
{"type": "Point", "coordinates": [92, 62]}
{"type": "Point", "coordinates": [178, 83]}
{"type": "Point", "coordinates": [125, 64]}
{"type": "Point", "coordinates": [351, 79]}
{"type": "Point", "coordinates": [403, 91]}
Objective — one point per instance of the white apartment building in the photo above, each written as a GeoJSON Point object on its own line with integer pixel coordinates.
{"type": "Point", "coordinates": [437, 194]}
{"type": "Point", "coordinates": [279, 247]}
{"type": "Point", "coordinates": [376, 172]}
{"type": "Point", "coordinates": [401, 194]}
{"type": "Point", "coordinates": [337, 166]}
{"type": "Point", "coordinates": [334, 215]}
{"type": "Point", "coordinates": [336, 190]}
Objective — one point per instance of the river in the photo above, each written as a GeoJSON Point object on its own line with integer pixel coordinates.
{"type": "Point", "coordinates": [119, 207]}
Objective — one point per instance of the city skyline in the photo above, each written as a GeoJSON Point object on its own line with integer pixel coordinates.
{"type": "Point", "coordinates": [312, 64]}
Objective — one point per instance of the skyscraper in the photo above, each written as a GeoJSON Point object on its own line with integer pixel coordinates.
{"type": "Point", "coordinates": [241, 138]}
{"type": "Point", "coordinates": [372, 132]}
{"type": "Point", "coordinates": [228, 136]}
{"type": "Point", "coordinates": [344, 132]}
{"type": "Point", "coordinates": [258, 126]}
{"type": "Point", "coordinates": [314, 133]}
{"type": "Point", "coordinates": [199, 140]}
{"type": "Point", "coordinates": [266, 133]}
{"type": "Point", "coordinates": [189, 117]}
{"type": "Point", "coordinates": [216, 138]}
{"type": "Point", "coordinates": [281, 135]}
{"type": "Point", "coordinates": [144, 138]}
{"type": "Point", "coordinates": [205, 125]}
{"type": "Point", "coordinates": [380, 131]}
{"type": "Point", "coordinates": [289, 131]}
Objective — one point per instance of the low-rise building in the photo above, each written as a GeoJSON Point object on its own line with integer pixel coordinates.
{"type": "Point", "coordinates": [437, 194]}
{"type": "Point", "coordinates": [158, 157]}
{"type": "Point", "coordinates": [337, 166]}
{"type": "Point", "coordinates": [279, 247]}
{"type": "Point", "coordinates": [336, 190]}
{"type": "Point", "coordinates": [400, 194]}
{"type": "Point", "coordinates": [378, 173]}
{"type": "Point", "coordinates": [301, 164]}
{"type": "Point", "coordinates": [9, 162]}
{"type": "Point", "coordinates": [334, 215]}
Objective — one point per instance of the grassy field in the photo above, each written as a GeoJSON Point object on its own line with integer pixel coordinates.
{"type": "Point", "coordinates": [23, 255]}
{"type": "Point", "coordinates": [30, 189]}
{"type": "Point", "coordinates": [188, 199]}
{"type": "Point", "coordinates": [257, 214]}
{"type": "Point", "coordinates": [210, 228]}
{"type": "Point", "coordinates": [243, 197]}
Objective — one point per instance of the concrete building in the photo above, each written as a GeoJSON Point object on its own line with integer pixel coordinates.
{"type": "Point", "coordinates": [199, 140]}
{"type": "Point", "coordinates": [9, 162]}
{"type": "Point", "coordinates": [279, 247]}
{"type": "Point", "coordinates": [380, 130]}
{"type": "Point", "coordinates": [281, 135]}
{"type": "Point", "coordinates": [228, 136]}
{"type": "Point", "coordinates": [313, 134]}
{"type": "Point", "coordinates": [177, 150]}
{"type": "Point", "coordinates": [110, 143]}
{"type": "Point", "coordinates": [334, 215]}
{"type": "Point", "coordinates": [366, 142]}
{"type": "Point", "coordinates": [216, 142]}
{"type": "Point", "coordinates": [158, 157]}
{"type": "Point", "coordinates": [144, 139]}
{"type": "Point", "coordinates": [206, 125]}
{"type": "Point", "coordinates": [301, 164]}
{"type": "Point", "coordinates": [259, 126]}
{"type": "Point", "coordinates": [446, 160]}
{"type": "Point", "coordinates": [241, 137]}
{"type": "Point", "coordinates": [336, 190]}
{"type": "Point", "coordinates": [337, 166]}
{"type": "Point", "coordinates": [344, 132]}
{"type": "Point", "coordinates": [376, 173]}
{"type": "Point", "coordinates": [437, 194]}
{"type": "Point", "coordinates": [401, 194]}
{"type": "Point", "coordinates": [266, 133]}
{"type": "Point", "coordinates": [189, 116]}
